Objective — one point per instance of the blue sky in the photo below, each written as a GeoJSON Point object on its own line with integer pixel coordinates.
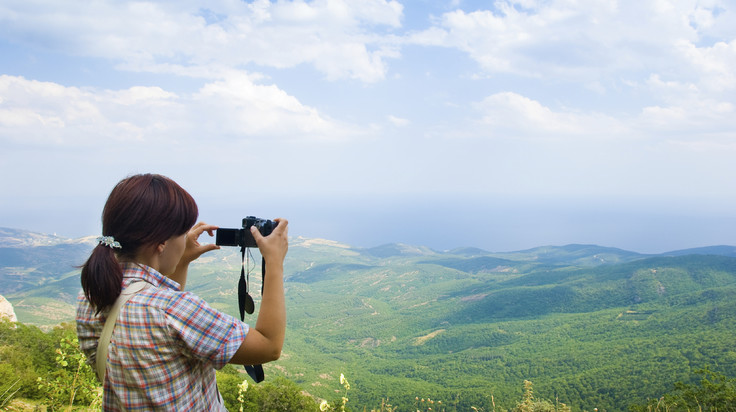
{"type": "Point", "coordinates": [497, 124]}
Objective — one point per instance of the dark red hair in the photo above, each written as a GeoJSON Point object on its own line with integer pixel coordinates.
{"type": "Point", "coordinates": [141, 211]}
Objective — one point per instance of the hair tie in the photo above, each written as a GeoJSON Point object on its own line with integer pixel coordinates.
{"type": "Point", "coordinates": [109, 241]}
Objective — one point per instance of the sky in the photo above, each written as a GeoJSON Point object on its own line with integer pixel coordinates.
{"type": "Point", "coordinates": [503, 125]}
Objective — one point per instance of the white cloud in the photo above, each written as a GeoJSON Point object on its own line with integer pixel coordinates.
{"type": "Point", "coordinates": [661, 64]}
{"type": "Point", "coordinates": [335, 36]}
{"type": "Point", "coordinates": [713, 18]}
{"type": "Point", "coordinates": [714, 67]}
{"type": "Point", "coordinates": [35, 113]}
{"type": "Point", "coordinates": [688, 119]}
{"type": "Point", "coordinates": [512, 115]}
{"type": "Point", "coordinates": [699, 109]}
{"type": "Point", "coordinates": [143, 95]}
{"type": "Point", "coordinates": [571, 40]}
{"type": "Point", "coordinates": [238, 106]}
{"type": "Point", "coordinates": [398, 121]}
{"type": "Point", "coordinates": [698, 120]}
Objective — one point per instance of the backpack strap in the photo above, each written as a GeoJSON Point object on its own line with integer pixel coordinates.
{"type": "Point", "coordinates": [112, 316]}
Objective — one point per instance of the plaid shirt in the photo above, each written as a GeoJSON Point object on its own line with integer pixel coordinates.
{"type": "Point", "coordinates": [164, 349]}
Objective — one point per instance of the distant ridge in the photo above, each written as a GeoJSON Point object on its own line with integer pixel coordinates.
{"type": "Point", "coordinates": [469, 251]}
{"type": "Point", "coordinates": [580, 250]}
{"type": "Point", "coordinates": [476, 264]}
{"type": "Point", "coordinates": [398, 249]}
{"type": "Point", "coordinates": [18, 238]}
{"type": "Point", "coordinates": [587, 249]}
{"type": "Point", "coordinates": [575, 254]}
{"type": "Point", "coordinates": [721, 250]}
{"type": "Point", "coordinates": [14, 238]}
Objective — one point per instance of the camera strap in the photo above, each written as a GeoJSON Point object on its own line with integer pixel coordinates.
{"type": "Point", "coordinates": [111, 319]}
{"type": "Point", "coordinates": [246, 305]}
{"type": "Point", "coordinates": [245, 301]}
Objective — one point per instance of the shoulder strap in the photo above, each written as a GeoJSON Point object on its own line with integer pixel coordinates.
{"type": "Point", "coordinates": [112, 317]}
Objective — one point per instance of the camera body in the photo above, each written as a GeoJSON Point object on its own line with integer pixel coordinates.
{"type": "Point", "coordinates": [242, 237]}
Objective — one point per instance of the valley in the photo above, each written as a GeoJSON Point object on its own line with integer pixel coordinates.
{"type": "Point", "coordinates": [590, 326]}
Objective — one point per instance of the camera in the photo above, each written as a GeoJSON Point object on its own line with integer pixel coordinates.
{"type": "Point", "coordinates": [243, 237]}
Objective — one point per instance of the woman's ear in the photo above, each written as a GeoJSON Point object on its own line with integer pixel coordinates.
{"type": "Point", "coordinates": [161, 246]}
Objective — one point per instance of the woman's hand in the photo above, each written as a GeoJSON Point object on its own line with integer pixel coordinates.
{"type": "Point", "coordinates": [192, 251]}
{"type": "Point", "coordinates": [273, 247]}
{"type": "Point", "coordinates": [193, 248]}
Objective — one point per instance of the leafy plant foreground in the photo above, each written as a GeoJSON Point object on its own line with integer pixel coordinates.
{"type": "Point", "coordinates": [47, 371]}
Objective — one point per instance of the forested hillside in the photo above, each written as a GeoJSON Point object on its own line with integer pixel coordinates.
{"type": "Point", "coordinates": [590, 326]}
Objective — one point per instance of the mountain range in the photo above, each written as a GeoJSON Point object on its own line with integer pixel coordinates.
{"type": "Point", "coordinates": [591, 326]}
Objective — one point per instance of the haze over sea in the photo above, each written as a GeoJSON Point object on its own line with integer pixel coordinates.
{"type": "Point", "coordinates": [497, 225]}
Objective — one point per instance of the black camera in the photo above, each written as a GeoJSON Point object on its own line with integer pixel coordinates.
{"type": "Point", "coordinates": [243, 237]}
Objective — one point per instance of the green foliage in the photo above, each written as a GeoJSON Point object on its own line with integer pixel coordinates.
{"type": "Point", "coordinates": [73, 382]}
{"type": "Point", "coordinates": [531, 404]}
{"type": "Point", "coordinates": [341, 404]}
{"type": "Point", "coordinates": [26, 353]}
{"type": "Point", "coordinates": [715, 392]}
{"type": "Point", "coordinates": [7, 391]}
{"type": "Point", "coordinates": [593, 327]}
{"type": "Point", "coordinates": [278, 394]}
{"type": "Point", "coordinates": [50, 366]}
{"type": "Point", "coordinates": [228, 379]}
{"type": "Point", "coordinates": [582, 333]}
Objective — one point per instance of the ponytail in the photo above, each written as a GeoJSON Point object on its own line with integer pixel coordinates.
{"type": "Point", "coordinates": [102, 278]}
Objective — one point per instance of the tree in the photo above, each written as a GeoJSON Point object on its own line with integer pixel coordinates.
{"type": "Point", "coordinates": [713, 393]}
{"type": "Point", "coordinates": [530, 404]}
{"type": "Point", "coordinates": [73, 382]}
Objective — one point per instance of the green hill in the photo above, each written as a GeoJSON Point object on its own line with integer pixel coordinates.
{"type": "Point", "coordinates": [594, 327]}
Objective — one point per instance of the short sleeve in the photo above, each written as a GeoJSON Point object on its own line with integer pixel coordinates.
{"type": "Point", "coordinates": [205, 332]}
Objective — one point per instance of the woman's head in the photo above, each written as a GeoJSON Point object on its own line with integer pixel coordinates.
{"type": "Point", "coordinates": [145, 210]}
{"type": "Point", "coordinates": [142, 211]}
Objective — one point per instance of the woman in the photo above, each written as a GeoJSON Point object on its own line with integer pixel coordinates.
{"type": "Point", "coordinates": [167, 343]}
